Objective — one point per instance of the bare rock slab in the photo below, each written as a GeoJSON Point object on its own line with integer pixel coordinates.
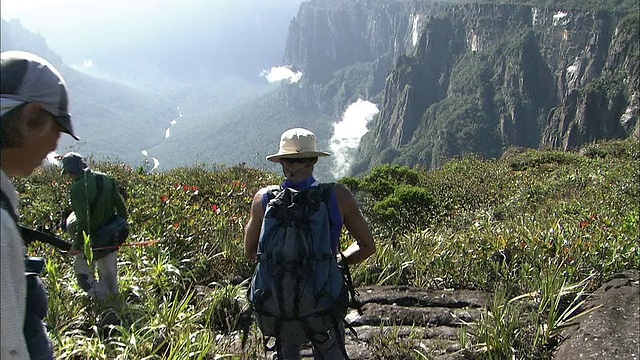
{"type": "Point", "coordinates": [611, 331]}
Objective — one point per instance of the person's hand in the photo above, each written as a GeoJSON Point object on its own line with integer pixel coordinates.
{"type": "Point", "coordinates": [75, 252]}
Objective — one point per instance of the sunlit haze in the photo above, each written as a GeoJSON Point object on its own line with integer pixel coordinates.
{"type": "Point", "coordinates": [196, 56]}
{"type": "Point", "coordinates": [58, 15]}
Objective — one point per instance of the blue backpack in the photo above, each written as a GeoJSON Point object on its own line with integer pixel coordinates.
{"type": "Point", "coordinates": [298, 291]}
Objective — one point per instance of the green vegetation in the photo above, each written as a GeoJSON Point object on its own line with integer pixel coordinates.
{"type": "Point", "coordinates": [610, 84]}
{"type": "Point", "coordinates": [476, 116]}
{"type": "Point", "coordinates": [616, 6]}
{"type": "Point", "coordinates": [360, 80]}
{"type": "Point", "coordinates": [536, 230]}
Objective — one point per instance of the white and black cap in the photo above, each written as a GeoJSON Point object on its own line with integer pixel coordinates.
{"type": "Point", "coordinates": [26, 78]}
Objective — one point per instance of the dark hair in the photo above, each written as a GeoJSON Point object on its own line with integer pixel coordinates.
{"type": "Point", "coordinates": [11, 134]}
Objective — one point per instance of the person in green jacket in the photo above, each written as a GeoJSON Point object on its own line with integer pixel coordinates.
{"type": "Point", "coordinates": [91, 210]}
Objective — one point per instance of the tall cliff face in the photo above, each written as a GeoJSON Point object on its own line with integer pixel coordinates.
{"type": "Point", "coordinates": [332, 38]}
{"type": "Point", "coordinates": [467, 78]}
{"type": "Point", "coordinates": [599, 97]}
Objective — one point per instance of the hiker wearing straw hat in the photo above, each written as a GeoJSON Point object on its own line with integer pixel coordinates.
{"type": "Point", "coordinates": [34, 112]}
{"type": "Point", "coordinates": [297, 154]}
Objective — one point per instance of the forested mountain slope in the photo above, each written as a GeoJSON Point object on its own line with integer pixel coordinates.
{"type": "Point", "coordinates": [453, 78]}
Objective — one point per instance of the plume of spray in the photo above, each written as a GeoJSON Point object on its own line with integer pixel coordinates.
{"type": "Point", "coordinates": [281, 73]}
{"type": "Point", "coordinates": [347, 134]}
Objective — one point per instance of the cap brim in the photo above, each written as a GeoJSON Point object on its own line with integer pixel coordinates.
{"type": "Point", "coordinates": [65, 122]}
{"type": "Point", "coordinates": [308, 154]}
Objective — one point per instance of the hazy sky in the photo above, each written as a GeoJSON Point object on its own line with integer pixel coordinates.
{"type": "Point", "coordinates": [16, 7]}
{"type": "Point", "coordinates": [76, 24]}
{"type": "Point", "coordinates": [111, 37]}
{"type": "Point", "coordinates": [52, 15]}
{"type": "Point", "coordinates": [82, 17]}
{"type": "Point", "coordinates": [47, 11]}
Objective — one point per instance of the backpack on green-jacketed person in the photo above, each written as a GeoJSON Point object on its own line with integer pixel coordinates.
{"type": "Point", "coordinates": [297, 292]}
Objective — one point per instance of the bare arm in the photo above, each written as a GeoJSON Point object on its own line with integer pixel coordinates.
{"type": "Point", "coordinates": [253, 227]}
{"type": "Point", "coordinates": [363, 247]}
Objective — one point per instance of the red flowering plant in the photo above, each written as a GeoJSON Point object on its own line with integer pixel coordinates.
{"type": "Point", "coordinates": [199, 216]}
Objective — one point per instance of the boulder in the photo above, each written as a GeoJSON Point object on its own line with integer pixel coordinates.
{"type": "Point", "coordinates": [611, 331]}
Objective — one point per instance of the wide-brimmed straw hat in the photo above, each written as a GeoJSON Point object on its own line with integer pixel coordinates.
{"type": "Point", "coordinates": [297, 143]}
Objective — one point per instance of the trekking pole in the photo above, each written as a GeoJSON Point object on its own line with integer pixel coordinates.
{"type": "Point", "coordinates": [353, 294]}
{"type": "Point", "coordinates": [140, 243]}
{"type": "Point", "coordinates": [30, 235]}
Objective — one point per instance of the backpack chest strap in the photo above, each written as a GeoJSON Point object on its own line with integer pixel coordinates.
{"type": "Point", "coordinates": [313, 257]}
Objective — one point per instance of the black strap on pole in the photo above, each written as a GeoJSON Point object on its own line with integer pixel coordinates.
{"type": "Point", "coordinates": [30, 235]}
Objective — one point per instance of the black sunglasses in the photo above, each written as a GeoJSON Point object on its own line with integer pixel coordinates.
{"type": "Point", "coordinates": [295, 160]}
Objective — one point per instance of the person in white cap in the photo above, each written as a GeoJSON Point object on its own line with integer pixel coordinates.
{"type": "Point", "coordinates": [34, 112]}
{"type": "Point", "coordinates": [298, 155]}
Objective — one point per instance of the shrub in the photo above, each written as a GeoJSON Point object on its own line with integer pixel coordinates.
{"type": "Point", "coordinates": [534, 159]}
{"type": "Point", "coordinates": [409, 206]}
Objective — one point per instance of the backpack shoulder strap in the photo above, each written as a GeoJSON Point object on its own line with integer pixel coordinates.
{"type": "Point", "coordinates": [327, 190]}
{"type": "Point", "coordinates": [269, 194]}
{"type": "Point", "coordinates": [99, 185]}
{"type": "Point", "coordinates": [272, 191]}
{"type": "Point", "coordinates": [6, 204]}
{"type": "Point", "coordinates": [327, 186]}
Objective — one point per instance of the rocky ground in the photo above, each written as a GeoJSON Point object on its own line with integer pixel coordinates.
{"type": "Point", "coordinates": [612, 329]}
{"type": "Point", "coordinates": [390, 315]}
{"type": "Point", "coordinates": [436, 319]}
{"type": "Point", "coordinates": [432, 319]}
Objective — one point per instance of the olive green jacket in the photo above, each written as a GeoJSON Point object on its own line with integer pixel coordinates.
{"type": "Point", "coordinates": [83, 193]}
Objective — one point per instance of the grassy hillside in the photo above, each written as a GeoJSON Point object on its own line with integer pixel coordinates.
{"type": "Point", "coordinates": [522, 228]}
